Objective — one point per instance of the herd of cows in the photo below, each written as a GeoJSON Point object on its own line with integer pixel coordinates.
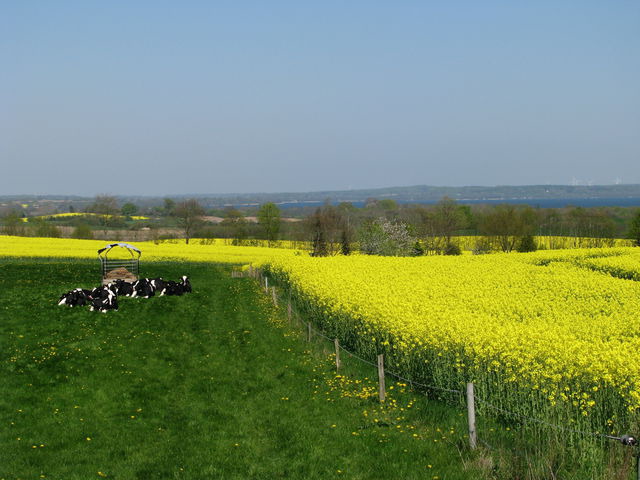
{"type": "Point", "coordinates": [105, 297]}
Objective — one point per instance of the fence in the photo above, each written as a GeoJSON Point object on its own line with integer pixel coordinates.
{"type": "Point", "coordinates": [471, 398]}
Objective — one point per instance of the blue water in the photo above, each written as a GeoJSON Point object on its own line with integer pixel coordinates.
{"type": "Point", "coordinates": [534, 202]}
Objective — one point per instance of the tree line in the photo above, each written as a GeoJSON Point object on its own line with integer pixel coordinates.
{"type": "Point", "coordinates": [381, 227]}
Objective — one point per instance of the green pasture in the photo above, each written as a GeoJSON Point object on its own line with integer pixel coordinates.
{"type": "Point", "coordinates": [210, 385]}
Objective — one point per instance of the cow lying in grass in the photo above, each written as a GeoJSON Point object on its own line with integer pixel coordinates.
{"type": "Point", "coordinates": [77, 297]}
{"type": "Point", "coordinates": [105, 297]}
{"type": "Point", "coordinates": [176, 288]}
{"type": "Point", "coordinates": [143, 288]}
{"type": "Point", "coordinates": [123, 288]}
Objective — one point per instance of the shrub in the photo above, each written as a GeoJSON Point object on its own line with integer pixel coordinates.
{"type": "Point", "coordinates": [452, 249]}
{"type": "Point", "coordinates": [527, 244]}
{"type": "Point", "coordinates": [82, 230]}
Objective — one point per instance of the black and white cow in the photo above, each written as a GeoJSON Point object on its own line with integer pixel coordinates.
{"type": "Point", "coordinates": [104, 299]}
{"type": "Point", "coordinates": [172, 288]}
{"type": "Point", "coordinates": [176, 288]}
{"type": "Point", "coordinates": [124, 288]}
{"type": "Point", "coordinates": [143, 288]}
{"type": "Point", "coordinates": [158, 284]}
{"type": "Point", "coordinates": [186, 284]}
{"type": "Point", "coordinates": [77, 297]}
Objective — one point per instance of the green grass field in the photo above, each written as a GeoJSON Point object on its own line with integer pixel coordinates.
{"type": "Point", "coordinates": [209, 385]}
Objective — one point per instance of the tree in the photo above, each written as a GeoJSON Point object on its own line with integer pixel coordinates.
{"type": "Point", "coordinates": [269, 221]}
{"type": "Point", "coordinates": [169, 205]}
{"type": "Point", "coordinates": [105, 205]}
{"type": "Point", "coordinates": [634, 230]}
{"type": "Point", "coordinates": [385, 237]}
{"type": "Point", "coordinates": [189, 214]}
{"type": "Point", "coordinates": [594, 227]}
{"type": "Point", "coordinates": [329, 230]}
{"type": "Point", "coordinates": [129, 209]}
{"type": "Point", "coordinates": [236, 223]}
{"type": "Point", "coordinates": [13, 224]}
{"type": "Point", "coordinates": [506, 225]}
{"type": "Point", "coordinates": [388, 204]}
{"type": "Point", "coordinates": [345, 244]}
{"type": "Point", "coordinates": [46, 229]}
{"type": "Point", "coordinates": [527, 244]}
{"type": "Point", "coordinates": [82, 231]}
{"type": "Point", "coordinates": [448, 218]}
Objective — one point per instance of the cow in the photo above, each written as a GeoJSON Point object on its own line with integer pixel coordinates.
{"type": "Point", "coordinates": [172, 288]}
{"type": "Point", "coordinates": [158, 284]}
{"type": "Point", "coordinates": [143, 288]}
{"type": "Point", "coordinates": [75, 297]}
{"type": "Point", "coordinates": [176, 288]}
{"type": "Point", "coordinates": [186, 284]}
{"type": "Point", "coordinates": [104, 299]}
{"type": "Point", "coordinates": [124, 288]}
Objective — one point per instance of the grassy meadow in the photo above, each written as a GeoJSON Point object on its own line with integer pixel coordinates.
{"type": "Point", "coordinates": [209, 385]}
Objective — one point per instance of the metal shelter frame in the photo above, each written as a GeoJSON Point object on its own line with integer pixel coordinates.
{"type": "Point", "coordinates": [125, 269]}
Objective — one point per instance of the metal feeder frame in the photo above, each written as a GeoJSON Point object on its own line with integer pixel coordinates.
{"type": "Point", "coordinates": [131, 265]}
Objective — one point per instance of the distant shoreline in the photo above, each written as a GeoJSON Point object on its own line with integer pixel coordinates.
{"type": "Point", "coordinates": [534, 202]}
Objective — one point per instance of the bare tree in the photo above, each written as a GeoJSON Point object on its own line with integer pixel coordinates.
{"type": "Point", "coordinates": [106, 206]}
{"type": "Point", "coordinates": [189, 214]}
{"type": "Point", "coordinates": [506, 226]}
{"type": "Point", "coordinates": [327, 229]}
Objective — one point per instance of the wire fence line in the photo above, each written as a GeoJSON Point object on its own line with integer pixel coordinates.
{"type": "Point", "coordinates": [627, 440]}
{"type": "Point", "coordinates": [560, 428]}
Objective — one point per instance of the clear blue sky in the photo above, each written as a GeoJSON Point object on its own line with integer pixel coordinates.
{"type": "Point", "coordinates": [176, 97]}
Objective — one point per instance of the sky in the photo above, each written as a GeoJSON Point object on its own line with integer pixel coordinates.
{"type": "Point", "coordinates": [161, 98]}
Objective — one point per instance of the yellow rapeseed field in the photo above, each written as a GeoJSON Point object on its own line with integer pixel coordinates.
{"type": "Point", "coordinates": [82, 214]}
{"type": "Point", "coordinates": [541, 334]}
{"type": "Point", "coordinates": [194, 251]}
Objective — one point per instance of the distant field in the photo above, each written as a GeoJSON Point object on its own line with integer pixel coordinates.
{"type": "Point", "coordinates": [79, 214]}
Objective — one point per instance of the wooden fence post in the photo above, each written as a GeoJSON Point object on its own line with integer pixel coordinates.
{"type": "Point", "coordinates": [337, 344]}
{"type": "Point", "coordinates": [381, 377]}
{"type": "Point", "coordinates": [471, 413]}
{"type": "Point", "coordinates": [274, 296]}
{"type": "Point", "coordinates": [266, 285]}
{"type": "Point", "coordinates": [289, 311]}
{"type": "Point", "coordinates": [309, 332]}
